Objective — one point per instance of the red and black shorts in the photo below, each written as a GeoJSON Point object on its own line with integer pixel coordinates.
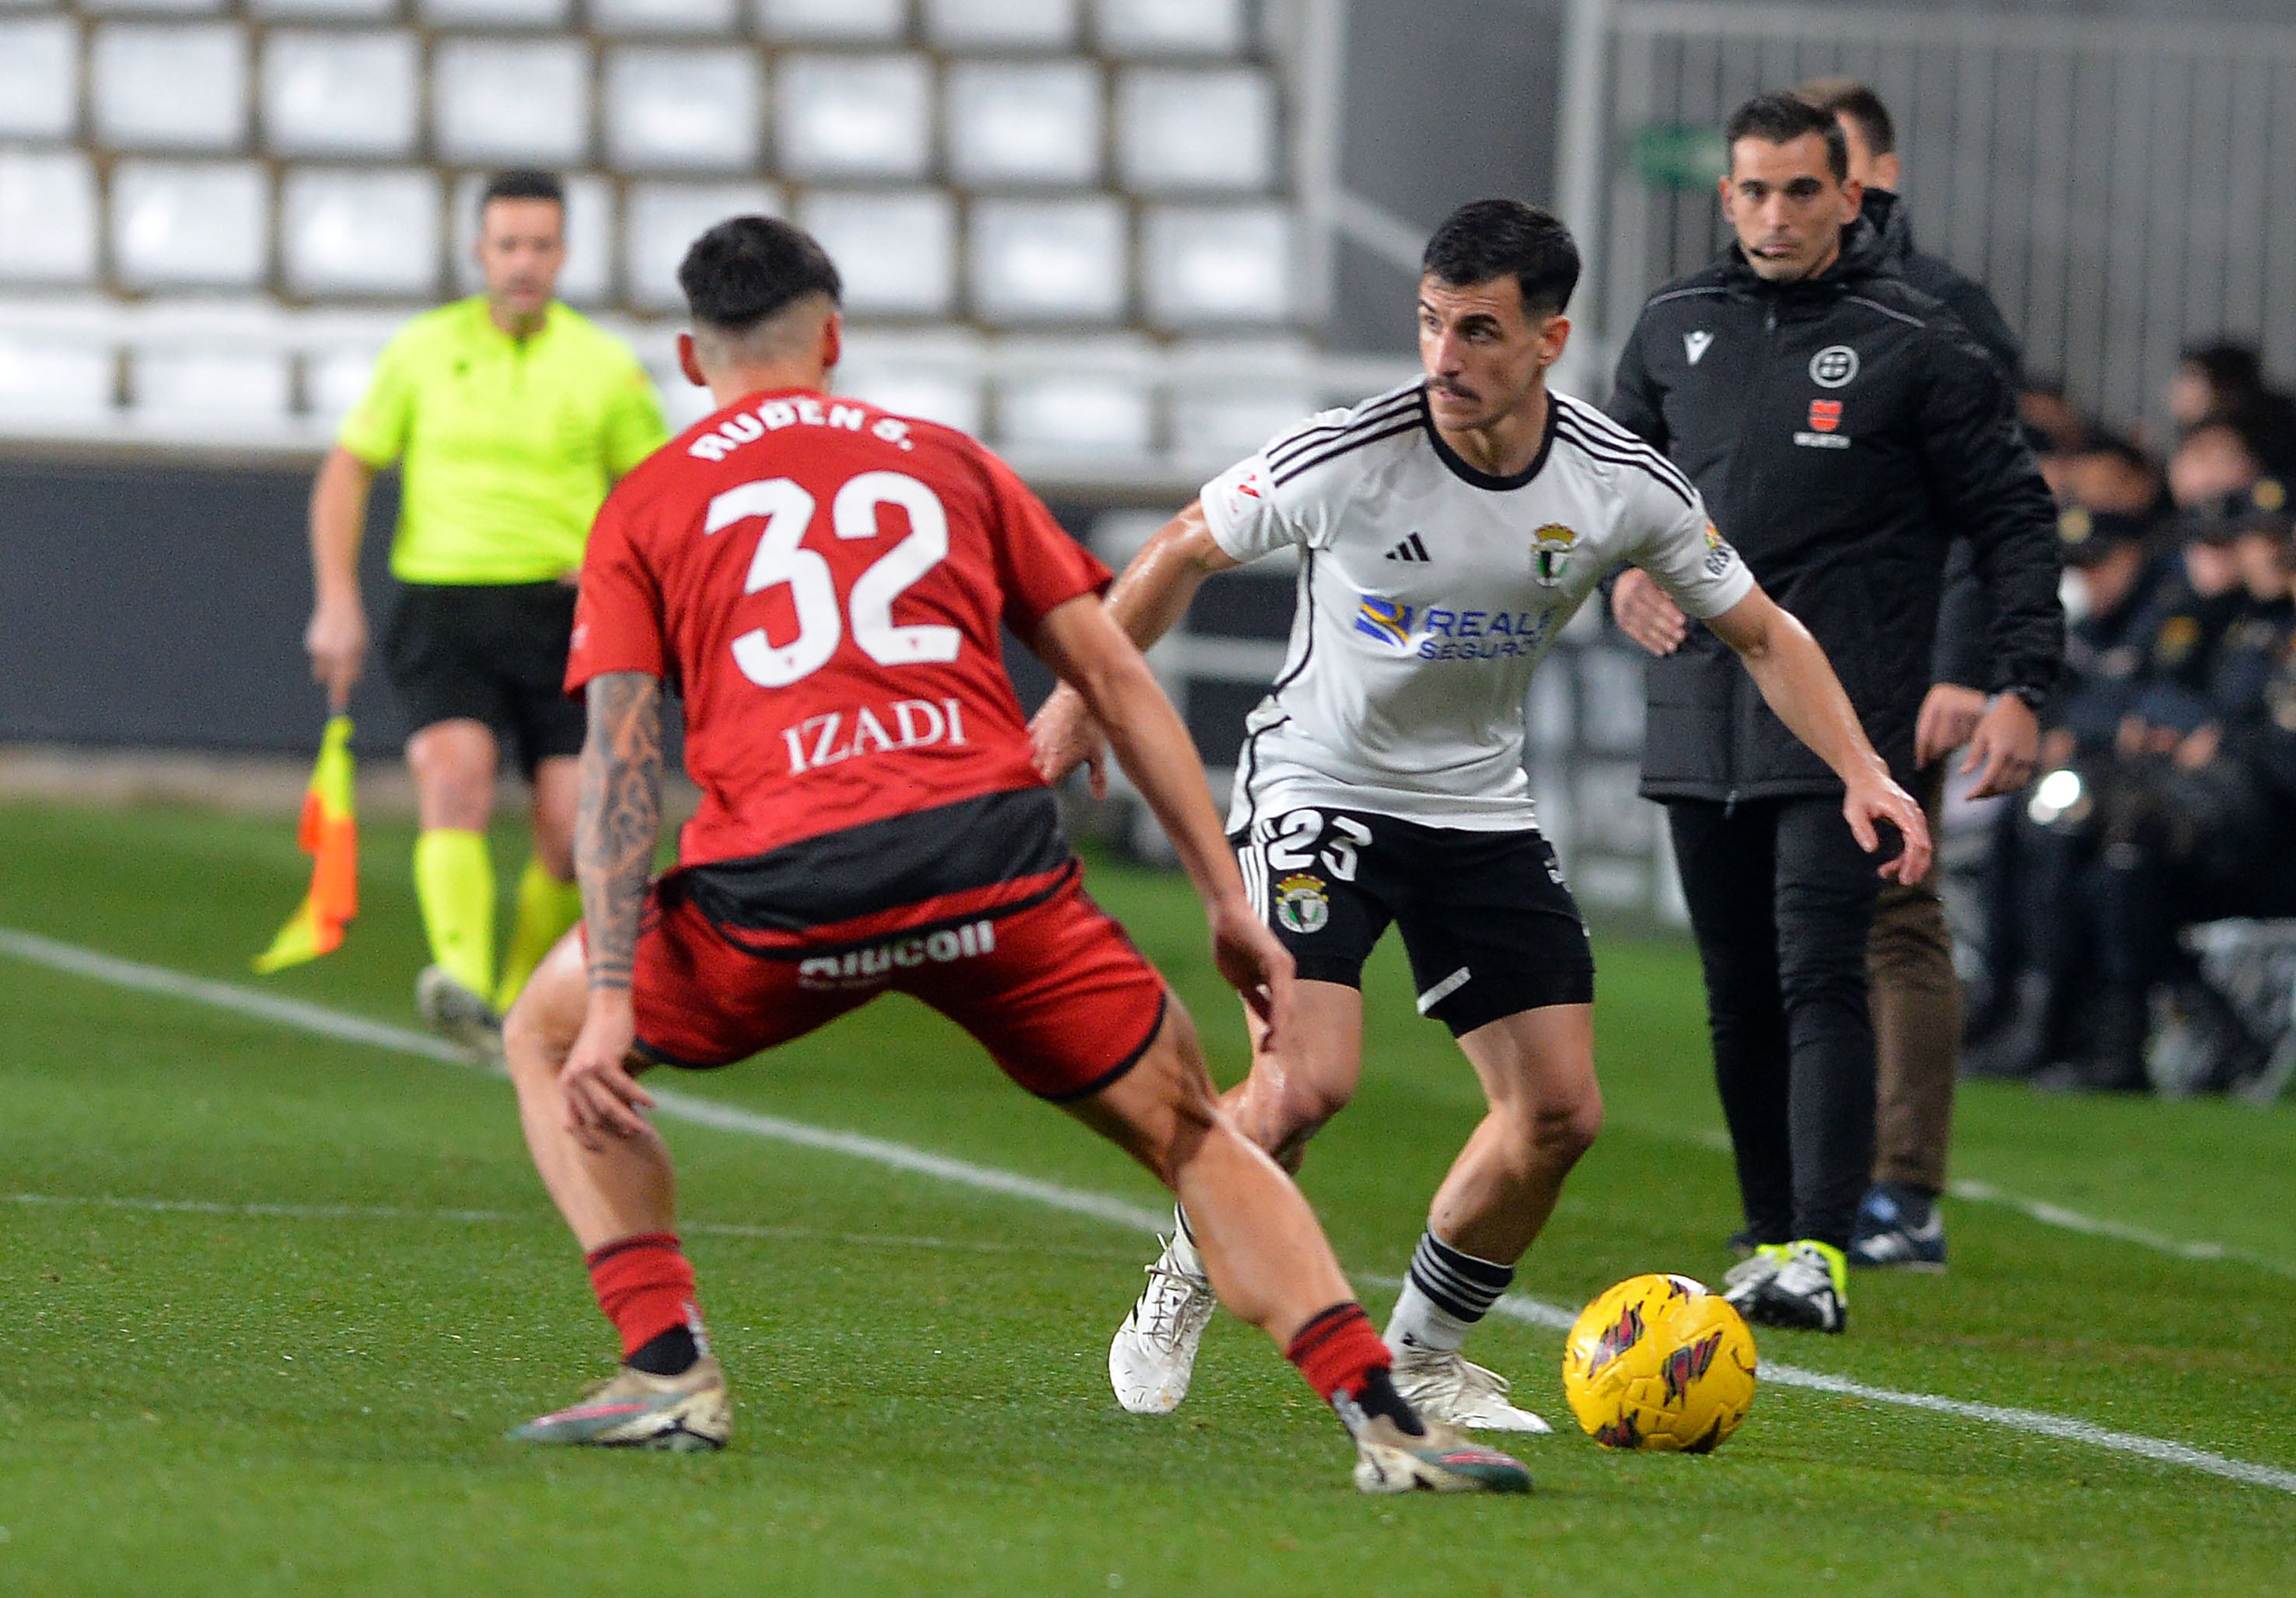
{"type": "Point", "coordinates": [1049, 983]}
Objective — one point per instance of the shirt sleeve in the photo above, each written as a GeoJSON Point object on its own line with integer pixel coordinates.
{"type": "Point", "coordinates": [1678, 545]}
{"type": "Point", "coordinates": [377, 426]}
{"type": "Point", "coordinates": [618, 618]}
{"type": "Point", "coordinates": [1038, 565]}
{"type": "Point", "coordinates": [634, 427]}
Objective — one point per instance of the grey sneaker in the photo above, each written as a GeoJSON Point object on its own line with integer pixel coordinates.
{"type": "Point", "coordinates": [684, 1414]}
{"type": "Point", "coordinates": [1153, 1355]}
{"type": "Point", "coordinates": [1391, 1460]}
{"type": "Point", "coordinates": [1445, 1386]}
{"type": "Point", "coordinates": [458, 1015]}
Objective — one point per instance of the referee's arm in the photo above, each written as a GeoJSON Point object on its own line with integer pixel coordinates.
{"type": "Point", "coordinates": [337, 636]}
{"type": "Point", "coordinates": [1797, 683]}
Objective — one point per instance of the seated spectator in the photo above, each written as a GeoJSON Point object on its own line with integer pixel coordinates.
{"type": "Point", "coordinates": [2224, 380]}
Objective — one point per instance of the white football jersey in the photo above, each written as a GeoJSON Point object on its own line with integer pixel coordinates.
{"type": "Point", "coordinates": [1429, 590]}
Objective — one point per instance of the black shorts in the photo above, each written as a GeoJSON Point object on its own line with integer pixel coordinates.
{"type": "Point", "coordinates": [1487, 920]}
{"type": "Point", "coordinates": [494, 652]}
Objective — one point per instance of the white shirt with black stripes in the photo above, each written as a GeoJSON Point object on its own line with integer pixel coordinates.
{"type": "Point", "coordinates": [1428, 592]}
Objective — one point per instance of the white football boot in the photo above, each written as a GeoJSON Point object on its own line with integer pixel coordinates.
{"type": "Point", "coordinates": [1443, 1385]}
{"type": "Point", "coordinates": [1391, 1460]}
{"type": "Point", "coordinates": [1154, 1354]}
{"type": "Point", "coordinates": [462, 1018]}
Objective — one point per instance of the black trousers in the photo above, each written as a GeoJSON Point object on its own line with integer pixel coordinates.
{"type": "Point", "coordinates": [1782, 902]}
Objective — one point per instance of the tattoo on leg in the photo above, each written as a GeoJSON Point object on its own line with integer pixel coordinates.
{"type": "Point", "coordinates": [619, 821]}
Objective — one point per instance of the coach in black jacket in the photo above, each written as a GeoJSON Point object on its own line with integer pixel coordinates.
{"type": "Point", "coordinates": [1839, 424]}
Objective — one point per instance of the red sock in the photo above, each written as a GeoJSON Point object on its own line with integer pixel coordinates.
{"type": "Point", "coordinates": [645, 1287]}
{"type": "Point", "coordinates": [1337, 1351]}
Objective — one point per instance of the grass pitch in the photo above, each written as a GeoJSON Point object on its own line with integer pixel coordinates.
{"type": "Point", "coordinates": [271, 1300]}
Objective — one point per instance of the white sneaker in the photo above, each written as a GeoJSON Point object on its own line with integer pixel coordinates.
{"type": "Point", "coordinates": [1443, 1385]}
{"type": "Point", "coordinates": [1154, 1351]}
{"type": "Point", "coordinates": [1750, 1274]}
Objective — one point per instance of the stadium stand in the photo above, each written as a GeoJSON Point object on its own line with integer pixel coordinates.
{"type": "Point", "coordinates": [1054, 215]}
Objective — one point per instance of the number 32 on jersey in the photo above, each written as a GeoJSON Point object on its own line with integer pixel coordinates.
{"type": "Point", "coordinates": [782, 558]}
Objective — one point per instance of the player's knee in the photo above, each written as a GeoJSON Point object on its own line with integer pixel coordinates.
{"type": "Point", "coordinates": [1559, 1131]}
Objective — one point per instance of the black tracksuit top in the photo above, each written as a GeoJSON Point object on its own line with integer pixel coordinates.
{"type": "Point", "coordinates": [1840, 429]}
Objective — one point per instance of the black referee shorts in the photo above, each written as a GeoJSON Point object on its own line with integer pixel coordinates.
{"type": "Point", "coordinates": [1490, 927]}
{"type": "Point", "coordinates": [494, 652]}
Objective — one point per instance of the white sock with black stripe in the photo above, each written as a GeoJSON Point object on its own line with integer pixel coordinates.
{"type": "Point", "coordinates": [1443, 1297]}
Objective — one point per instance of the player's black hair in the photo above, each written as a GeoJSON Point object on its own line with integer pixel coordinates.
{"type": "Point", "coordinates": [522, 182]}
{"type": "Point", "coordinates": [1848, 98]}
{"type": "Point", "coordinates": [1486, 239]}
{"type": "Point", "coordinates": [748, 269]}
{"type": "Point", "coordinates": [1780, 118]}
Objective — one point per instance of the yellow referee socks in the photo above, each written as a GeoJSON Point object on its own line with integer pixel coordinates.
{"type": "Point", "coordinates": [454, 884]}
{"type": "Point", "coordinates": [546, 907]}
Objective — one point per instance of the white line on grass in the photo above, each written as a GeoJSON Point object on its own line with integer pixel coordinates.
{"type": "Point", "coordinates": [397, 1214]}
{"type": "Point", "coordinates": [331, 1023]}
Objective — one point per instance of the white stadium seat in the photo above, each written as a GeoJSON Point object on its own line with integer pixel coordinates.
{"type": "Point", "coordinates": [651, 17]}
{"type": "Point", "coordinates": [1078, 413]}
{"type": "Point", "coordinates": [1179, 130]}
{"type": "Point", "coordinates": [854, 116]}
{"type": "Point", "coordinates": [366, 232]}
{"type": "Point", "coordinates": [1226, 421]}
{"type": "Point", "coordinates": [324, 11]}
{"type": "Point", "coordinates": [168, 85]}
{"type": "Point", "coordinates": [950, 396]}
{"type": "Point", "coordinates": [662, 219]}
{"type": "Point", "coordinates": [1214, 264]}
{"type": "Point", "coordinates": [496, 13]}
{"type": "Point", "coordinates": [588, 278]}
{"type": "Point", "coordinates": [47, 217]}
{"type": "Point", "coordinates": [1169, 27]}
{"type": "Point", "coordinates": [493, 101]}
{"type": "Point", "coordinates": [211, 385]}
{"type": "Point", "coordinates": [896, 252]}
{"type": "Point", "coordinates": [334, 379]}
{"type": "Point", "coordinates": [180, 8]}
{"type": "Point", "coordinates": [1047, 260]}
{"type": "Point", "coordinates": [40, 77]}
{"type": "Point", "coordinates": [52, 380]}
{"type": "Point", "coordinates": [186, 225]}
{"type": "Point", "coordinates": [335, 93]}
{"type": "Point", "coordinates": [1024, 123]}
{"type": "Point", "coordinates": [677, 110]}
{"type": "Point", "coordinates": [1001, 24]}
{"type": "Point", "coordinates": [858, 21]}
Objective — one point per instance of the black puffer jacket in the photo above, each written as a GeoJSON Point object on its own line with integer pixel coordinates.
{"type": "Point", "coordinates": [1839, 428]}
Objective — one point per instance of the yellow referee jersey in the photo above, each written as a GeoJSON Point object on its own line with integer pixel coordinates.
{"type": "Point", "coordinates": [509, 445]}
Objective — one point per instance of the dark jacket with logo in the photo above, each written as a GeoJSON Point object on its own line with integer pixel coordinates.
{"type": "Point", "coordinates": [1839, 428]}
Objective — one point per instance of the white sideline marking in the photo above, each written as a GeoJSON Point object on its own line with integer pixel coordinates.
{"type": "Point", "coordinates": [314, 1018]}
{"type": "Point", "coordinates": [704, 1112]}
{"type": "Point", "coordinates": [505, 1217]}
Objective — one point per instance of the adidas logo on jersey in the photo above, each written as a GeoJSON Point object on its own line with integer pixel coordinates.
{"type": "Point", "coordinates": [1410, 549]}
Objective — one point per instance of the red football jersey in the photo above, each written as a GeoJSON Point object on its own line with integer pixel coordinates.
{"type": "Point", "coordinates": [823, 583]}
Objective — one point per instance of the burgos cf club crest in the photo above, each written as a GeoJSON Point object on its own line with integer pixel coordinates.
{"type": "Point", "coordinates": [1550, 551]}
{"type": "Point", "coordinates": [1300, 904]}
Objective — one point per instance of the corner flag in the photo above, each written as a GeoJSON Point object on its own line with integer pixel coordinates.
{"type": "Point", "coordinates": [329, 834]}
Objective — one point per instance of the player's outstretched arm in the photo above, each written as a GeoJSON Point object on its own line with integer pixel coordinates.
{"type": "Point", "coordinates": [1152, 594]}
{"type": "Point", "coordinates": [616, 828]}
{"type": "Point", "coordinates": [336, 638]}
{"type": "Point", "coordinates": [1113, 683]}
{"type": "Point", "coordinates": [1797, 682]}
